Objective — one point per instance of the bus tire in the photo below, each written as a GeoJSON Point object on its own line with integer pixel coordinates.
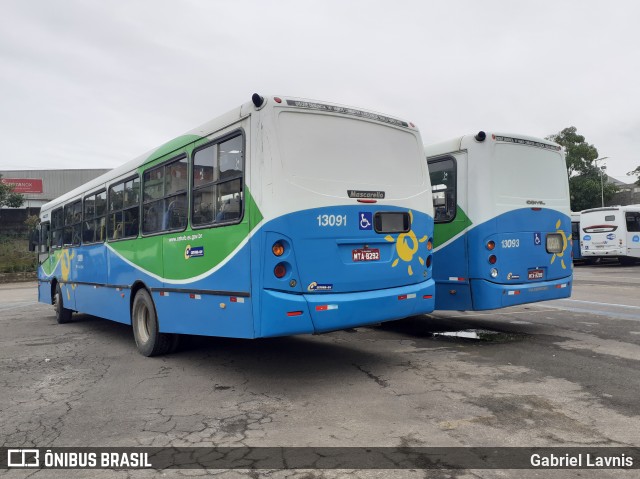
{"type": "Point", "coordinates": [626, 260]}
{"type": "Point", "coordinates": [144, 320]}
{"type": "Point", "coordinates": [63, 315]}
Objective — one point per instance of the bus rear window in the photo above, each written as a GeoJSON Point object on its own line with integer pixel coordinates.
{"type": "Point", "coordinates": [522, 173]}
{"type": "Point", "coordinates": [347, 150]}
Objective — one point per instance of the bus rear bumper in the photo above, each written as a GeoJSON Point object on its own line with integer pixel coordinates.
{"type": "Point", "coordinates": [487, 295]}
{"type": "Point", "coordinates": [324, 312]}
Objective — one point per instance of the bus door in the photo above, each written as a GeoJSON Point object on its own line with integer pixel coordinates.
{"type": "Point", "coordinates": [451, 259]}
{"type": "Point", "coordinates": [575, 238]}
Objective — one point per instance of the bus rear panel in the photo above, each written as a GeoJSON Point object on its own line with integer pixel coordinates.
{"type": "Point", "coordinates": [503, 229]}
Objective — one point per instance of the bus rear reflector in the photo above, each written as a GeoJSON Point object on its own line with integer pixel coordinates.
{"type": "Point", "coordinates": [326, 307]}
{"type": "Point", "coordinates": [406, 296]}
{"type": "Point", "coordinates": [294, 313]}
{"type": "Point", "coordinates": [512, 293]}
{"type": "Point", "coordinates": [560, 286]}
{"type": "Point", "coordinates": [427, 296]}
{"type": "Point", "coordinates": [367, 201]}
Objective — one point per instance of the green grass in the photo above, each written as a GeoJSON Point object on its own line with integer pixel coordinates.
{"type": "Point", "coordinates": [15, 256]}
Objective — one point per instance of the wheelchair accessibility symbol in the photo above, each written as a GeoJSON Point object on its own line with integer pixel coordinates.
{"type": "Point", "coordinates": [366, 220]}
{"type": "Point", "coordinates": [537, 239]}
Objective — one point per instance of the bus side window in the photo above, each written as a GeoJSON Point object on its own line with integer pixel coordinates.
{"type": "Point", "coordinates": [165, 197]}
{"type": "Point", "coordinates": [57, 227]}
{"type": "Point", "coordinates": [442, 172]}
{"type": "Point", "coordinates": [124, 211]}
{"type": "Point", "coordinates": [217, 182]}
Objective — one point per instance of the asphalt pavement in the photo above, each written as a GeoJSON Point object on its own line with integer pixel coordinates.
{"type": "Point", "coordinates": [559, 373]}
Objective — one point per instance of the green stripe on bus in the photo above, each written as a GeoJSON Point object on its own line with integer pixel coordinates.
{"type": "Point", "coordinates": [443, 232]}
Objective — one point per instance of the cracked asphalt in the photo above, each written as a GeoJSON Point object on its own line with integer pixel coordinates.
{"type": "Point", "coordinates": [561, 373]}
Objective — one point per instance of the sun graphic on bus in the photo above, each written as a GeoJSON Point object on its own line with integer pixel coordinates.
{"type": "Point", "coordinates": [407, 246]}
{"type": "Point", "coordinates": [565, 242]}
{"type": "Point", "coordinates": [65, 266]}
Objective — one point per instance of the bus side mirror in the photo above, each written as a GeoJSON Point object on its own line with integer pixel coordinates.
{"type": "Point", "coordinates": [34, 239]}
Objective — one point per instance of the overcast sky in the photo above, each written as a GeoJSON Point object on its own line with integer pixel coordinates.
{"type": "Point", "coordinates": [89, 83]}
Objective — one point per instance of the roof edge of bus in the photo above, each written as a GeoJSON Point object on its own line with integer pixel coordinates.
{"type": "Point", "coordinates": [613, 208]}
{"type": "Point", "coordinates": [406, 124]}
{"type": "Point", "coordinates": [460, 143]}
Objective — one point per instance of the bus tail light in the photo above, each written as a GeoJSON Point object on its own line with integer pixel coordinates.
{"type": "Point", "coordinates": [429, 245]}
{"type": "Point", "coordinates": [280, 270]}
{"type": "Point", "coordinates": [491, 245]}
{"type": "Point", "coordinates": [493, 259]}
{"type": "Point", "coordinates": [428, 262]}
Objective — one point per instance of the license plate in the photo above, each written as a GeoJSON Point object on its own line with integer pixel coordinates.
{"type": "Point", "coordinates": [554, 243]}
{"type": "Point", "coordinates": [366, 254]}
{"type": "Point", "coordinates": [535, 274]}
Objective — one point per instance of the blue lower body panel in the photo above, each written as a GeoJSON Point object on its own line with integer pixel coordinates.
{"type": "Point", "coordinates": [453, 296]}
{"type": "Point", "coordinates": [347, 310]}
{"type": "Point", "coordinates": [286, 313]}
{"type": "Point", "coordinates": [487, 295]}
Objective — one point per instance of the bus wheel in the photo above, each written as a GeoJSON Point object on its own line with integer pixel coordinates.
{"type": "Point", "coordinates": [626, 260]}
{"type": "Point", "coordinates": [63, 315]}
{"type": "Point", "coordinates": [149, 340]}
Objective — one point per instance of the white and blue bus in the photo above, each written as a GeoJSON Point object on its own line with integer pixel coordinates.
{"type": "Point", "coordinates": [611, 232]}
{"type": "Point", "coordinates": [283, 216]}
{"type": "Point", "coordinates": [502, 224]}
